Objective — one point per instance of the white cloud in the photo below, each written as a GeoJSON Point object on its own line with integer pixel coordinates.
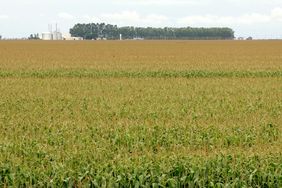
{"type": "Point", "coordinates": [128, 18]}
{"type": "Point", "coordinates": [125, 16]}
{"type": "Point", "coordinates": [160, 2]}
{"type": "Point", "coordinates": [90, 19]}
{"type": "Point", "coordinates": [247, 19]}
{"type": "Point", "coordinates": [65, 16]}
{"type": "Point", "coordinates": [4, 17]}
{"type": "Point", "coordinates": [133, 18]}
{"type": "Point", "coordinates": [155, 18]}
{"type": "Point", "coordinates": [276, 14]}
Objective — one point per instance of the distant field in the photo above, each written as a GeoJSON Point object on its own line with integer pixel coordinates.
{"type": "Point", "coordinates": [141, 114]}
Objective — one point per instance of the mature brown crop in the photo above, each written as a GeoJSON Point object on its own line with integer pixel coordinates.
{"type": "Point", "coordinates": [143, 55]}
{"type": "Point", "coordinates": [141, 113]}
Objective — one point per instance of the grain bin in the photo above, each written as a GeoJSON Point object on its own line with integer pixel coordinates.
{"type": "Point", "coordinates": [47, 36]}
{"type": "Point", "coordinates": [57, 35]}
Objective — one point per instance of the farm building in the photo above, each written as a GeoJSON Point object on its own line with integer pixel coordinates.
{"type": "Point", "coordinates": [52, 36]}
{"type": "Point", "coordinates": [68, 36]}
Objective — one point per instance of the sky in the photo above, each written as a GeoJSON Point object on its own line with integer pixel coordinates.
{"type": "Point", "coordinates": [256, 18]}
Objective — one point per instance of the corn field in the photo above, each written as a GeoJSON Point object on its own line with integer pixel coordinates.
{"type": "Point", "coordinates": [141, 114]}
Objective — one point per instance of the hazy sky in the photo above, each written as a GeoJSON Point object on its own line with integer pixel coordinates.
{"type": "Point", "coordinates": [258, 18]}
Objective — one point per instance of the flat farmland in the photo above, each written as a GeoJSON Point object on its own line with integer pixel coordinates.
{"type": "Point", "coordinates": [141, 114]}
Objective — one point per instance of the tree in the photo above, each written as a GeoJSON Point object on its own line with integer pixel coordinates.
{"type": "Point", "coordinates": [102, 30]}
{"type": "Point", "coordinates": [33, 37]}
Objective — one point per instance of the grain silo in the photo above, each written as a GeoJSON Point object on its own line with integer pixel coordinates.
{"type": "Point", "coordinates": [57, 35]}
{"type": "Point", "coordinates": [47, 36]}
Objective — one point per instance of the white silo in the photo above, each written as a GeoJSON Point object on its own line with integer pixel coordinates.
{"type": "Point", "coordinates": [47, 36]}
{"type": "Point", "coordinates": [57, 35]}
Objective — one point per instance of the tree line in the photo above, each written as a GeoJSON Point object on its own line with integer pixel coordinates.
{"type": "Point", "coordinates": [101, 30]}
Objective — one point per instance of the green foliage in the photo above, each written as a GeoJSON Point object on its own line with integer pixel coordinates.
{"type": "Point", "coordinates": [140, 132]}
{"type": "Point", "coordinates": [34, 37]}
{"type": "Point", "coordinates": [102, 30]}
{"type": "Point", "coordinates": [88, 73]}
{"type": "Point", "coordinates": [220, 171]}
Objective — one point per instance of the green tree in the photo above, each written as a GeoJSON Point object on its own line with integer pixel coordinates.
{"type": "Point", "coordinates": [101, 30]}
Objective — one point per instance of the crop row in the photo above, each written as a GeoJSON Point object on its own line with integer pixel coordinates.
{"type": "Point", "coordinates": [138, 74]}
{"type": "Point", "coordinates": [219, 171]}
